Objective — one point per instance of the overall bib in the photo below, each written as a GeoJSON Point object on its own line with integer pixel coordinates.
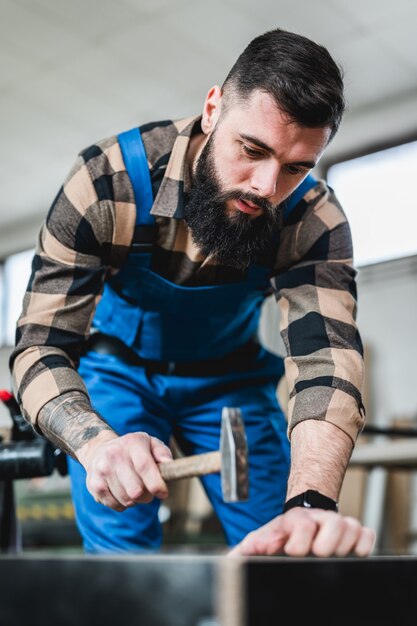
{"type": "Point", "coordinates": [163, 322]}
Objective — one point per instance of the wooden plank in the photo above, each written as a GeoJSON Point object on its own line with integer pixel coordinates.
{"type": "Point", "coordinates": [376, 591]}
{"type": "Point", "coordinates": [108, 591]}
{"type": "Point", "coordinates": [203, 590]}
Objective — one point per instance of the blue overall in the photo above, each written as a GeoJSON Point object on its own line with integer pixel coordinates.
{"type": "Point", "coordinates": [163, 321]}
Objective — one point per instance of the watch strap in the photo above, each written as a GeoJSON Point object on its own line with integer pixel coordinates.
{"type": "Point", "coordinates": [311, 500]}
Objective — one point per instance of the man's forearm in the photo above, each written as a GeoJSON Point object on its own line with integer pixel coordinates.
{"type": "Point", "coordinates": [320, 454]}
{"type": "Point", "coordinates": [69, 422]}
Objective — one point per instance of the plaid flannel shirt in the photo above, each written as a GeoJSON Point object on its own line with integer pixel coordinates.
{"type": "Point", "coordinates": [86, 238]}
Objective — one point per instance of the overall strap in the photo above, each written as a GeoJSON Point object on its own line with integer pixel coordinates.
{"type": "Point", "coordinates": [308, 183]}
{"type": "Point", "coordinates": [136, 163]}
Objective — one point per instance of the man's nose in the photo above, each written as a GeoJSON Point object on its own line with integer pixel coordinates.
{"type": "Point", "coordinates": [264, 180]}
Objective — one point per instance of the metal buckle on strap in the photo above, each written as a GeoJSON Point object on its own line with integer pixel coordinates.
{"type": "Point", "coordinates": [171, 365]}
{"type": "Point", "coordinates": [165, 368]}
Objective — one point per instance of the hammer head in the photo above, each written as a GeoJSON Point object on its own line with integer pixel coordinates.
{"type": "Point", "coordinates": [234, 456]}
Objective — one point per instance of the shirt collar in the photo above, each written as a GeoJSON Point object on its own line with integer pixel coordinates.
{"type": "Point", "coordinates": [173, 191]}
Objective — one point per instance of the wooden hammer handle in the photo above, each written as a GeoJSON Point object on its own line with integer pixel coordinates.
{"type": "Point", "coordinates": [189, 466]}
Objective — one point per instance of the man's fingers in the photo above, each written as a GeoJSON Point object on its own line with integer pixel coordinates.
{"type": "Point", "coordinates": [146, 465]}
{"type": "Point", "coordinates": [301, 537]}
{"type": "Point", "coordinates": [303, 532]}
{"type": "Point", "coordinates": [266, 540]}
{"type": "Point", "coordinates": [350, 537]}
{"type": "Point", "coordinates": [160, 452]}
{"type": "Point", "coordinates": [333, 535]}
{"type": "Point", "coordinates": [236, 550]}
{"type": "Point", "coordinates": [111, 502]}
{"type": "Point", "coordinates": [341, 535]}
{"type": "Point", "coordinates": [128, 487]}
{"type": "Point", "coordinates": [99, 489]}
{"type": "Point", "coordinates": [330, 534]}
{"type": "Point", "coordinates": [125, 471]}
{"type": "Point", "coordinates": [366, 542]}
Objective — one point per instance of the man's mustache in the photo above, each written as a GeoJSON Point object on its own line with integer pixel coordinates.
{"type": "Point", "coordinates": [235, 194]}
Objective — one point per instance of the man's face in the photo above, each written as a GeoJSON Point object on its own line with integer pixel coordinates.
{"type": "Point", "coordinates": [252, 161]}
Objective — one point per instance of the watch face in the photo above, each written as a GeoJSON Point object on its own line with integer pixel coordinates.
{"type": "Point", "coordinates": [314, 499]}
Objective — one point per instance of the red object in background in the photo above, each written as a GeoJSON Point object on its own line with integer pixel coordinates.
{"type": "Point", "coordinates": [10, 401]}
{"type": "Point", "coordinates": [6, 395]}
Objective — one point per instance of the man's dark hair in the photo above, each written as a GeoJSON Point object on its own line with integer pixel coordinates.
{"type": "Point", "coordinates": [301, 75]}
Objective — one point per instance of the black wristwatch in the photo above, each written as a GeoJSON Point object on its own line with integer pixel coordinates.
{"type": "Point", "coordinates": [311, 500]}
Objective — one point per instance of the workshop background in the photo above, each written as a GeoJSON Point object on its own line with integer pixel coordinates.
{"type": "Point", "coordinates": [73, 72]}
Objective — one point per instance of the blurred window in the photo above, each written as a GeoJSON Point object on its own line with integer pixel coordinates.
{"type": "Point", "coordinates": [16, 273]}
{"type": "Point", "coordinates": [2, 306]}
{"type": "Point", "coordinates": [378, 195]}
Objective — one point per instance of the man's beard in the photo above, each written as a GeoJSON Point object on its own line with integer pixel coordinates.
{"type": "Point", "coordinates": [235, 239]}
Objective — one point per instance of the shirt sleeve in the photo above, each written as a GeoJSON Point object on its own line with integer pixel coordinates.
{"type": "Point", "coordinates": [83, 240]}
{"type": "Point", "coordinates": [317, 295]}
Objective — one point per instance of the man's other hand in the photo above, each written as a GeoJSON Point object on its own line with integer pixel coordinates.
{"type": "Point", "coordinates": [304, 532]}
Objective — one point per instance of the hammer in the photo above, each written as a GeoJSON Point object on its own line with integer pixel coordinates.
{"type": "Point", "coordinates": [231, 460]}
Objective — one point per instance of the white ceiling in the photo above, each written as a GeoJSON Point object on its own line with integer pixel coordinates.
{"type": "Point", "coordinates": [74, 71]}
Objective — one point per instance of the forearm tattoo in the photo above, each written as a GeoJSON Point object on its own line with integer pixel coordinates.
{"type": "Point", "coordinates": [69, 422]}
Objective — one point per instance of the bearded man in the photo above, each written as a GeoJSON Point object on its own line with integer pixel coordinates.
{"type": "Point", "coordinates": [141, 317]}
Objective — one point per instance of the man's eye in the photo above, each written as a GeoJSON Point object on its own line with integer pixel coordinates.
{"type": "Point", "coordinates": [251, 152]}
{"type": "Point", "coordinates": [294, 170]}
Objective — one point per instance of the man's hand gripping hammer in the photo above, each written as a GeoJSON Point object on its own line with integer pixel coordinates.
{"type": "Point", "coordinates": [231, 460]}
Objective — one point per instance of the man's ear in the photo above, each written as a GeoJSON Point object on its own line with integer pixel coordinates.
{"type": "Point", "coordinates": [211, 110]}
